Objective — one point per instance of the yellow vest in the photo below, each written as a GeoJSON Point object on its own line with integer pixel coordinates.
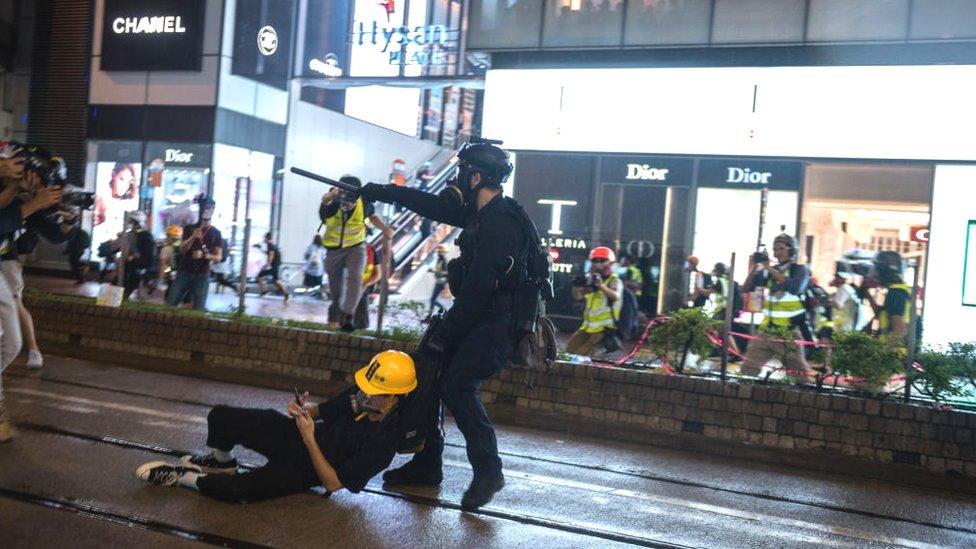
{"type": "Point", "coordinates": [720, 300]}
{"type": "Point", "coordinates": [884, 322]}
{"type": "Point", "coordinates": [340, 233]}
{"type": "Point", "coordinates": [637, 278]}
{"type": "Point", "coordinates": [780, 310]}
{"type": "Point", "coordinates": [599, 315]}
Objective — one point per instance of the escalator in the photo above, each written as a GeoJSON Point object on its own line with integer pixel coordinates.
{"type": "Point", "coordinates": [414, 238]}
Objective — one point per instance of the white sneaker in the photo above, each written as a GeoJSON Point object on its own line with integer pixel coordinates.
{"type": "Point", "coordinates": [34, 360]}
{"type": "Point", "coordinates": [162, 473]}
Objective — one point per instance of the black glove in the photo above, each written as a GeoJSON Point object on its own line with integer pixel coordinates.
{"type": "Point", "coordinates": [371, 192]}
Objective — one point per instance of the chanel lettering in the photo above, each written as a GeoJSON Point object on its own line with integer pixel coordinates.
{"type": "Point", "coordinates": [745, 175]}
{"type": "Point", "coordinates": [169, 24]}
{"type": "Point", "coordinates": [645, 172]}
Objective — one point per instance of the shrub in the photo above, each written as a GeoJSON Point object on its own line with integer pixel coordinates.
{"type": "Point", "coordinates": [865, 357]}
{"type": "Point", "coordinates": [943, 373]}
{"type": "Point", "coordinates": [685, 331]}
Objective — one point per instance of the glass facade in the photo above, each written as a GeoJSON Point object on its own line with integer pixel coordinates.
{"type": "Point", "coordinates": [532, 24]}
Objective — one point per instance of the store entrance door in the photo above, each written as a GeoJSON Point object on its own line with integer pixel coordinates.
{"type": "Point", "coordinates": [631, 220]}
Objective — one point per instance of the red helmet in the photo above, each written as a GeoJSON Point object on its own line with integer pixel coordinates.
{"type": "Point", "coordinates": [602, 252]}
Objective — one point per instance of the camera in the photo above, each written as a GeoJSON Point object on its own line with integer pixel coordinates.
{"type": "Point", "coordinates": [586, 281]}
{"type": "Point", "coordinates": [52, 171]}
{"type": "Point", "coordinates": [760, 257]}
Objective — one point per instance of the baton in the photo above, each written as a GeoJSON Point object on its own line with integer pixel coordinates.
{"type": "Point", "coordinates": [326, 180]}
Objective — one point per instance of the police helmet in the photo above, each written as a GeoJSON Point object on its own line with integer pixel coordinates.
{"type": "Point", "coordinates": [491, 161]}
{"type": "Point", "coordinates": [889, 265]}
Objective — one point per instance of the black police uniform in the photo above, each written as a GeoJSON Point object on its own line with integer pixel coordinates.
{"type": "Point", "coordinates": [477, 333]}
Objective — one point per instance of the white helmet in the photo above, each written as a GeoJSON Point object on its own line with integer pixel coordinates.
{"type": "Point", "coordinates": [138, 216]}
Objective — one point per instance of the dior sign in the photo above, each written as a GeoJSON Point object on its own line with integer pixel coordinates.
{"type": "Point", "coordinates": [644, 172]}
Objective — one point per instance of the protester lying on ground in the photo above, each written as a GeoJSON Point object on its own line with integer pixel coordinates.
{"type": "Point", "coordinates": [341, 443]}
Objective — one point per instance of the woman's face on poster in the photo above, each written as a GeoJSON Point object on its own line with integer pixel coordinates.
{"type": "Point", "coordinates": [122, 182]}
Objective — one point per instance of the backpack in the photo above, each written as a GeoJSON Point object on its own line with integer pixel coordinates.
{"type": "Point", "coordinates": [707, 281]}
{"type": "Point", "coordinates": [627, 322]}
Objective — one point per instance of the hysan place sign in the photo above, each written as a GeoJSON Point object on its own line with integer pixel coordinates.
{"type": "Point", "coordinates": [165, 24]}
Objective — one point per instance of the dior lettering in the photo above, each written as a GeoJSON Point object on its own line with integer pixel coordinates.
{"type": "Point", "coordinates": [745, 175]}
{"type": "Point", "coordinates": [168, 24]}
{"type": "Point", "coordinates": [176, 155]}
{"type": "Point", "coordinates": [645, 172]}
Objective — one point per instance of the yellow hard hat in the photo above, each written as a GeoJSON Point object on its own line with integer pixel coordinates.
{"type": "Point", "coordinates": [174, 231]}
{"type": "Point", "coordinates": [389, 373]}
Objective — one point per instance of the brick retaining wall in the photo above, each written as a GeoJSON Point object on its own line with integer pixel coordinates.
{"type": "Point", "coordinates": [765, 421]}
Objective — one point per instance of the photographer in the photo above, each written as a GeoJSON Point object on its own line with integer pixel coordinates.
{"type": "Point", "coordinates": [784, 313]}
{"type": "Point", "coordinates": [24, 199]}
{"type": "Point", "coordinates": [202, 244]}
{"type": "Point", "coordinates": [601, 290]}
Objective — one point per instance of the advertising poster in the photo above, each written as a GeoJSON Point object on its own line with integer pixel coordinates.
{"type": "Point", "coordinates": [116, 192]}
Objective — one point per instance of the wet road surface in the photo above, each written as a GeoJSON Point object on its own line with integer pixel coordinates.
{"type": "Point", "coordinates": [84, 428]}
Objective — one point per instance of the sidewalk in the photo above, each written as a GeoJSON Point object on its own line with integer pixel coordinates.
{"type": "Point", "coordinates": [300, 308]}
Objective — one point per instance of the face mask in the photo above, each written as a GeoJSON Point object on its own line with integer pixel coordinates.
{"type": "Point", "coordinates": [459, 190]}
{"type": "Point", "coordinates": [363, 404]}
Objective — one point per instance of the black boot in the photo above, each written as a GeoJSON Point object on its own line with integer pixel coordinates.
{"type": "Point", "coordinates": [481, 490]}
{"type": "Point", "coordinates": [413, 473]}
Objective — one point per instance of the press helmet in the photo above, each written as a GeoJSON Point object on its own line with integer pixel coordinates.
{"type": "Point", "coordinates": [389, 373]}
{"type": "Point", "coordinates": [603, 252]}
{"type": "Point", "coordinates": [174, 231]}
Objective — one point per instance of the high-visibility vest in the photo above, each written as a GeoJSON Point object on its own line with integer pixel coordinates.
{"type": "Point", "coordinates": [599, 315]}
{"type": "Point", "coordinates": [370, 264]}
{"type": "Point", "coordinates": [884, 322]}
{"type": "Point", "coordinates": [340, 232]}
{"type": "Point", "coordinates": [637, 278]}
{"type": "Point", "coordinates": [779, 310]}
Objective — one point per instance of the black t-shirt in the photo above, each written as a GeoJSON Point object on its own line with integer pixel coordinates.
{"type": "Point", "coordinates": [210, 241]}
{"type": "Point", "coordinates": [276, 260]}
{"type": "Point", "coordinates": [357, 450]}
{"type": "Point", "coordinates": [894, 303]}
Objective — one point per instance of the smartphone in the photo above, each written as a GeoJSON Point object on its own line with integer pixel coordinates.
{"type": "Point", "coordinates": [298, 397]}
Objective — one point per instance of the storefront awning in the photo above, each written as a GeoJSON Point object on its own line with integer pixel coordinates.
{"type": "Point", "coordinates": [423, 82]}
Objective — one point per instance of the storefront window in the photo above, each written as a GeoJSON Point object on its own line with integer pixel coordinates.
{"type": "Point", "coordinates": [943, 19]}
{"type": "Point", "coordinates": [583, 23]}
{"type": "Point", "coordinates": [838, 20]}
{"type": "Point", "coordinates": [176, 173]}
{"type": "Point", "coordinates": [758, 21]}
{"type": "Point", "coordinates": [505, 23]}
{"type": "Point", "coordinates": [671, 22]}
{"type": "Point", "coordinates": [243, 189]}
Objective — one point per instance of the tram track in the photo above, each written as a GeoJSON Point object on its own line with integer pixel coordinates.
{"type": "Point", "coordinates": [590, 467]}
{"type": "Point", "coordinates": [75, 505]}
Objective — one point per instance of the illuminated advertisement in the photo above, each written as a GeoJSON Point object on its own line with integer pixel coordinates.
{"type": "Point", "coordinates": [140, 35]}
{"type": "Point", "coordinates": [969, 266]}
{"type": "Point", "coordinates": [116, 192]}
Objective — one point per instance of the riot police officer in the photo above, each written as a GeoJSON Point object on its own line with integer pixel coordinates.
{"type": "Point", "coordinates": [477, 335]}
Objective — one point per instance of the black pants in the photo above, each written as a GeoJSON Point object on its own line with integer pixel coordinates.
{"type": "Point", "coordinates": [76, 263]}
{"type": "Point", "coordinates": [438, 288]}
{"type": "Point", "coordinates": [271, 434]}
{"type": "Point", "coordinates": [481, 355]}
